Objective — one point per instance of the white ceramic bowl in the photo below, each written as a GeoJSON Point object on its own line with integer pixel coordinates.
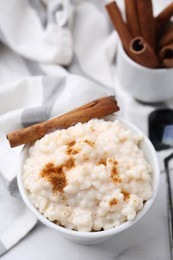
{"type": "Point", "coordinates": [145, 84]}
{"type": "Point", "coordinates": [97, 237]}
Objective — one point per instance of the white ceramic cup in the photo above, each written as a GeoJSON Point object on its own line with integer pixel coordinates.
{"type": "Point", "coordinates": [100, 236]}
{"type": "Point", "coordinates": [145, 84]}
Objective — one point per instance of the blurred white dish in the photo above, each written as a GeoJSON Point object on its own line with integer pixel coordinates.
{"type": "Point", "coordinates": [144, 84]}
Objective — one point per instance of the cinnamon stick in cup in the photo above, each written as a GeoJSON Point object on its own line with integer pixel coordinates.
{"type": "Point", "coordinates": [167, 37]}
{"type": "Point", "coordinates": [119, 25]}
{"type": "Point", "coordinates": [145, 56]}
{"type": "Point", "coordinates": [95, 109]}
{"type": "Point", "coordinates": [163, 18]}
{"type": "Point", "coordinates": [143, 53]}
{"type": "Point", "coordinates": [166, 55]}
{"type": "Point", "coordinates": [132, 17]}
{"type": "Point", "coordinates": [147, 22]}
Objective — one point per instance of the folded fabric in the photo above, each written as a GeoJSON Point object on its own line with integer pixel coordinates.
{"type": "Point", "coordinates": [34, 87]}
{"type": "Point", "coordinates": [45, 40]}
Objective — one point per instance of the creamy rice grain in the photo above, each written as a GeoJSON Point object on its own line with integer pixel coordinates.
{"type": "Point", "coordinates": [91, 176]}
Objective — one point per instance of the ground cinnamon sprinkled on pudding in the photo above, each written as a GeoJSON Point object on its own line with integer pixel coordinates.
{"type": "Point", "coordinates": [72, 143]}
{"type": "Point", "coordinates": [55, 176]}
{"type": "Point", "coordinates": [126, 194]}
{"type": "Point", "coordinates": [113, 161]}
{"type": "Point", "coordinates": [72, 151]}
{"type": "Point", "coordinates": [116, 179]}
{"type": "Point", "coordinates": [89, 142]}
{"type": "Point", "coordinates": [102, 161]}
{"type": "Point", "coordinates": [114, 172]}
{"type": "Point", "coordinates": [70, 163]}
{"type": "Point", "coordinates": [113, 202]}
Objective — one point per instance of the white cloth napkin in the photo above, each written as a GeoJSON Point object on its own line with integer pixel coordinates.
{"type": "Point", "coordinates": [38, 39]}
{"type": "Point", "coordinates": [36, 42]}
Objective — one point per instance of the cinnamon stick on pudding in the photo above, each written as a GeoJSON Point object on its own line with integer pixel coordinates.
{"type": "Point", "coordinates": [167, 37]}
{"type": "Point", "coordinates": [166, 55]}
{"type": "Point", "coordinates": [132, 17]}
{"type": "Point", "coordinates": [119, 25]}
{"type": "Point", "coordinates": [96, 109]}
{"type": "Point", "coordinates": [163, 18]}
{"type": "Point", "coordinates": [143, 53]}
{"type": "Point", "coordinates": [147, 22]}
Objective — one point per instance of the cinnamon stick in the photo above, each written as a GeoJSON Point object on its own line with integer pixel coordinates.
{"type": "Point", "coordinates": [166, 55]}
{"type": "Point", "coordinates": [143, 53]}
{"type": "Point", "coordinates": [132, 17]}
{"type": "Point", "coordinates": [167, 37]}
{"type": "Point", "coordinates": [119, 25]}
{"type": "Point", "coordinates": [95, 109]}
{"type": "Point", "coordinates": [147, 22]}
{"type": "Point", "coordinates": [145, 56]}
{"type": "Point", "coordinates": [163, 18]}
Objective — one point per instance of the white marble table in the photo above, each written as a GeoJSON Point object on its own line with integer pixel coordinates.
{"type": "Point", "coordinates": [147, 239]}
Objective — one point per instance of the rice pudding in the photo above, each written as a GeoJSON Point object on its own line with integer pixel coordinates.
{"type": "Point", "coordinates": [89, 177]}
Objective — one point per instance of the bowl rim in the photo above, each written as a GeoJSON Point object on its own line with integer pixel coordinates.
{"type": "Point", "coordinates": [138, 66]}
{"type": "Point", "coordinates": [98, 234]}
